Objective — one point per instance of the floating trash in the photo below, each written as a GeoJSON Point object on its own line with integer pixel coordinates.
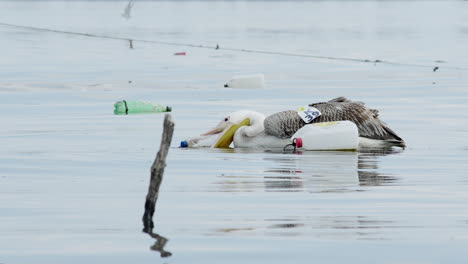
{"type": "Point", "coordinates": [247, 81]}
{"type": "Point", "coordinates": [135, 107]}
{"type": "Point", "coordinates": [339, 135]}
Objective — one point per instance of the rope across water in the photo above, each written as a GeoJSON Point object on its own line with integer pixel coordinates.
{"type": "Point", "coordinates": [434, 67]}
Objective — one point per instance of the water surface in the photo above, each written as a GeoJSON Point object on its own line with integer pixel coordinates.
{"type": "Point", "coordinates": [74, 177]}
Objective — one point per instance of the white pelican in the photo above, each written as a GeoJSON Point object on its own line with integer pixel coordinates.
{"type": "Point", "coordinates": [252, 129]}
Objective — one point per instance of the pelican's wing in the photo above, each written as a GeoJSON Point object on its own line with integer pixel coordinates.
{"type": "Point", "coordinates": [340, 99]}
{"type": "Point", "coordinates": [367, 120]}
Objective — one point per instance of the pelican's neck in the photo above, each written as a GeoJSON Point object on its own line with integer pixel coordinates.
{"type": "Point", "coordinates": [256, 123]}
{"type": "Point", "coordinates": [226, 138]}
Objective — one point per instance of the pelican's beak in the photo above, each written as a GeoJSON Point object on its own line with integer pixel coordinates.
{"type": "Point", "coordinates": [215, 130]}
{"type": "Point", "coordinates": [227, 137]}
{"type": "Point", "coordinates": [218, 129]}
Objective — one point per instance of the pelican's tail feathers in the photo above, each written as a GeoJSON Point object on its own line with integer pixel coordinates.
{"type": "Point", "coordinates": [370, 143]}
{"type": "Point", "coordinates": [393, 139]}
{"type": "Point", "coordinates": [396, 143]}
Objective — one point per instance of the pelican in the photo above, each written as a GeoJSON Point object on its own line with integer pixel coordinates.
{"type": "Point", "coordinates": [252, 129]}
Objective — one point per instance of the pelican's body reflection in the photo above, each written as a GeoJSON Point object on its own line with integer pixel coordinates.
{"type": "Point", "coordinates": [314, 171]}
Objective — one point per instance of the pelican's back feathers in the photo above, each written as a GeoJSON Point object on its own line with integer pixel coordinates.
{"type": "Point", "coordinates": [283, 124]}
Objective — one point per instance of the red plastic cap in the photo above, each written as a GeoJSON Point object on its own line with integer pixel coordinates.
{"type": "Point", "coordinates": [298, 142]}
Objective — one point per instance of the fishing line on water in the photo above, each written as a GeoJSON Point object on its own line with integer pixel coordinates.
{"type": "Point", "coordinates": [434, 67]}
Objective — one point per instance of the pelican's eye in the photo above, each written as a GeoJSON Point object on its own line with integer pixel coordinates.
{"type": "Point", "coordinates": [226, 119]}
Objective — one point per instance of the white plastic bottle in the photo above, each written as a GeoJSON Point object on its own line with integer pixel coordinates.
{"type": "Point", "coordinates": [339, 135]}
{"type": "Point", "coordinates": [247, 81]}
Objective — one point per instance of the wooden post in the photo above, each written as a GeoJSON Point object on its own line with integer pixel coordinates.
{"type": "Point", "coordinates": [131, 43]}
{"type": "Point", "coordinates": [157, 171]}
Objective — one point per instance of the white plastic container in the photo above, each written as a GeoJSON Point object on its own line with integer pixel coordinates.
{"type": "Point", "coordinates": [339, 135]}
{"type": "Point", "coordinates": [247, 81]}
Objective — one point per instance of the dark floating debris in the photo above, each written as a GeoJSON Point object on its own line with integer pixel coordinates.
{"type": "Point", "coordinates": [435, 69]}
{"type": "Point", "coordinates": [217, 46]}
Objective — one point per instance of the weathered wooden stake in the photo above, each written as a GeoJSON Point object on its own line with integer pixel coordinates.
{"type": "Point", "coordinates": [157, 171]}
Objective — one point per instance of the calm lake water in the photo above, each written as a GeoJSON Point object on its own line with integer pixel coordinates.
{"type": "Point", "coordinates": [73, 176]}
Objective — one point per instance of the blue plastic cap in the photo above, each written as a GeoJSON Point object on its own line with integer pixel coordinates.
{"type": "Point", "coordinates": [183, 144]}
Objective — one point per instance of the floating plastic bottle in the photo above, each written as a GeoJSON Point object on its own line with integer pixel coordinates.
{"type": "Point", "coordinates": [247, 81]}
{"type": "Point", "coordinates": [199, 142]}
{"type": "Point", "coordinates": [135, 107]}
{"type": "Point", "coordinates": [339, 135]}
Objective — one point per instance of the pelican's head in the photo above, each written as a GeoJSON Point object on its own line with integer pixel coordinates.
{"type": "Point", "coordinates": [252, 123]}
{"type": "Point", "coordinates": [234, 118]}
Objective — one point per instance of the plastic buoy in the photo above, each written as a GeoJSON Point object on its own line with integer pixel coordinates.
{"type": "Point", "coordinates": [247, 81]}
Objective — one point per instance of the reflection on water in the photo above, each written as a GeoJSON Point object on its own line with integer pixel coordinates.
{"type": "Point", "coordinates": [159, 244]}
{"type": "Point", "coordinates": [313, 172]}
{"type": "Point", "coordinates": [337, 227]}
{"type": "Point", "coordinates": [310, 173]}
{"type": "Point", "coordinates": [284, 183]}
{"type": "Point", "coordinates": [368, 172]}
{"type": "Point", "coordinates": [331, 227]}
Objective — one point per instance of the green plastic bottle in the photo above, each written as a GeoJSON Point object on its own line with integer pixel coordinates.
{"type": "Point", "coordinates": [124, 108]}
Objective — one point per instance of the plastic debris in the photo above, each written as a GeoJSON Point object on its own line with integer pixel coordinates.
{"type": "Point", "coordinates": [247, 81]}
{"type": "Point", "coordinates": [136, 107]}
{"type": "Point", "coordinates": [338, 135]}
